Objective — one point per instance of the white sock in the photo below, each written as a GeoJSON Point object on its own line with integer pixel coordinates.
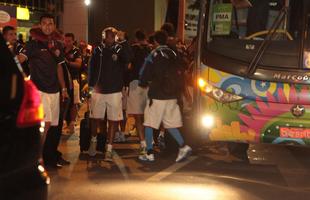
{"type": "Point", "coordinates": [162, 133]}
{"type": "Point", "coordinates": [143, 143]}
{"type": "Point", "coordinates": [94, 139]}
{"type": "Point", "coordinates": [109, 147]}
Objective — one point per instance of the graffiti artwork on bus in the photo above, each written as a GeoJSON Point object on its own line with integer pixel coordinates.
{"type": "Point", "coordinates": [265, 109]}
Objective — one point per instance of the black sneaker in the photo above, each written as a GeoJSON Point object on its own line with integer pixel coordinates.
{"type": "Point", "coordinates": [62, 161]}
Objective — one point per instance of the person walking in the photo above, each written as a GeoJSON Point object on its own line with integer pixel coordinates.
{"type": "Point", "coordinates": [137, 96]}
{"type": "Point", "coordinates": [163, 74]}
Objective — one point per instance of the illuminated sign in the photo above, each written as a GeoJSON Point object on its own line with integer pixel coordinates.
{"type": "Point", "coordinates": [23, 13]}
{"type": "Point", "coordinates": [7, 16]}
{"type": "Point", "coordinates": [4, 17]}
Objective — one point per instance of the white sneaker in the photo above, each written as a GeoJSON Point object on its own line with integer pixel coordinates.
{"type": "Point", "coordinates": [122, 137]}
{"type": "Point", "coordinates": [147, 157]}
{"type": "Point", "coordinates": [183, 153]}
{"type": "Point", "coordinates": [93, 145]}
{"type": "Point", "coordinates": [108, 156]}
{"type": "Point", "coordinates": [71, 128]}
{"type": "Point", "coordinates": [117, 137]}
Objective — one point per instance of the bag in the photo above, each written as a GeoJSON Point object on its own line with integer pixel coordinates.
{"type": "Point", "coordinates": [85, 133]}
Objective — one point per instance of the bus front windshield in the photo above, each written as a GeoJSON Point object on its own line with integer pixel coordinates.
{"type": "Point", "coordinates": [250, 34]}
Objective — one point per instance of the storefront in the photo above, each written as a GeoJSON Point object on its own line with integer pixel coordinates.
{"type": "Point", "coordinates": [25, 14]}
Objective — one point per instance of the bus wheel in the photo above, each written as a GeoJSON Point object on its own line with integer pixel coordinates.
{"type": "Point", "coordinates": [238, 150]}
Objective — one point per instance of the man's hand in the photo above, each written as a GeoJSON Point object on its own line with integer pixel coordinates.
{"type": "Point", "coordinates": [90, 92]}
{"type": "Point", "coordinates": [64, 94]}
{"type": "Point", "coordinates": [121, 36]}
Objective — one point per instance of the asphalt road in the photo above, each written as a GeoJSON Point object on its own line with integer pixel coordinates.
{"type": "Point", "coordinates": [274, 172]}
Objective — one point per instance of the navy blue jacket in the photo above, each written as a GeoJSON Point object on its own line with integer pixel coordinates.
{"type": "Point", "coordinates": [107, 65]}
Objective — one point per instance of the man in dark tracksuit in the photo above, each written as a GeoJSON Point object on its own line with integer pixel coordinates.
{"type": "Point", "coordinates": [106, 79]}
{"type": "Point", "coordinates": [74, 63]}
{"type": "Point", "coordinates": [163, 73]}
{"type": "Point", "coordinates": [45, 57]}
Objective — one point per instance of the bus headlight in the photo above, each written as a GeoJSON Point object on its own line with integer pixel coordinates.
{"type": "Point", "coordinates": [216, 93]}
{"type": "Point", "coordinates": [207, 121]}
{"type": "Point", "coordinates": [202, 83]}
{"type": "Point", "coordinates": [223, 97]}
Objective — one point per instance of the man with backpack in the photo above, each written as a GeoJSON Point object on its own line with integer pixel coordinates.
{"type": "Point", "coordinates": [106, 81]}
{"type": "Point", "coordinates": [162, 72]}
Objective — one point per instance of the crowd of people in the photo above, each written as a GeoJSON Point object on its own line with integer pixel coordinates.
{"type": "Point", "coordinates": [150, 73]}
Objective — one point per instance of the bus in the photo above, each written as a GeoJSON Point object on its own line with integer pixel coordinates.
{"type": "Point", "coordinates": [253, 71]}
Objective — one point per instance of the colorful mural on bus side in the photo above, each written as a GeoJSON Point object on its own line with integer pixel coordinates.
{"type": "Point", "coordinates": [264, 115]}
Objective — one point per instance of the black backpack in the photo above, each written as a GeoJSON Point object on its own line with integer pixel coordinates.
{"type": "Point", "coordinates": [171, 81]}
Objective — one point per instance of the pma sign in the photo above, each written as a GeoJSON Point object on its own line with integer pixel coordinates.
{"type": "Point", "coordinates": [222, 17]}
{"type": "Point", "coordinates": [221, 20]}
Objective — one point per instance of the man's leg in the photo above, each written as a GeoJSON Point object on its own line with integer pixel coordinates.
{"type": "Point", "coordinates": [153, 116]}
{"type": "Point", "coordinates": [73, 114]}
{"type": "Point", "coordinates": [140, 130]}
{"type": "Point", "coordinates": [102, 136]}
{"type": "Point", "coordinates": [114, 116]}
{"type": "Point", "coordinates": [172, 119]}
{"type": "Point", "coordinates": [149, 155]}
{"type": "Point", "coordinates": [58, 132]}
{"type": "Point", "coordinates": [97, 113]}
{"type": "Point", "coordinates": [111, 133]}
{"type": "Point", "coordinates": [94, 124]}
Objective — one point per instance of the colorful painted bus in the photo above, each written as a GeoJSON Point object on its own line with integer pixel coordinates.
{"type": "Point", "coordinates": [253, 71]}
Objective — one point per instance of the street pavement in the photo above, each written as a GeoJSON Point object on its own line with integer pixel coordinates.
{"type": "Point", "coordinates": [210, 173]}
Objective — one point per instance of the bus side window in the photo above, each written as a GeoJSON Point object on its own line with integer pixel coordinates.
{"type": "Point", "coordinates": [308, 33]}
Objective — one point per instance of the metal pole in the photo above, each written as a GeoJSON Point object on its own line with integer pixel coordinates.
{"type": "Point", "coordinates": [181, 19]}
{"type": "Point", "coordinates": [197, 69]}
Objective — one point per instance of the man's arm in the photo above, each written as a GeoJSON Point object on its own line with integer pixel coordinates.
{"type": "Point", "coordinates": [126, 53]}
{"type": "Point", "coordinates": [77, 63]}
{"type": "Point", "coordinates": [21, 58]}
{"type": "Point", "coordinates": [145, 72]}
{"type": "Point", "coordinates": [91, 70]}
{"type": "Point", "coordinates": [62, 83]}
{"type": "Point", "coordinates": [60, 59]}
{"type": "Point", "coordinates": [20, 54]}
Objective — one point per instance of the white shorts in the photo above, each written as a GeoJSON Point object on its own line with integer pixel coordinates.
{"type": "Point", "coordinates": [76, 92]}
{"type": "Point", "coordinates": [110, 103]}
{"type": "Point", "coordinates": [50, 104]}
{"type": "Point", "coordinates": [137, 98]}
{"type": "Point", "coordinates": [166, 111]}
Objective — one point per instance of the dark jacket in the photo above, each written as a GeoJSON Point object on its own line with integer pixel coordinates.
{"type": "Point", "coordinates": [154, 74]}
{"type": "Point", "coordinates": [107, 65]}
{"type": "Point", "coordinates": [140, 52]}
{"type": "Point", "coordinates": [43, 59]}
